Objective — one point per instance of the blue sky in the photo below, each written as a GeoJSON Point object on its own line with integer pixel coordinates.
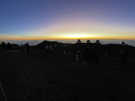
{"type": "Point", "coordinates": [61, 18]}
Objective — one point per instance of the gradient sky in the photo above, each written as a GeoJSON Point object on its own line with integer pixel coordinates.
{"type": "Point", "coordinates": [67, 19]}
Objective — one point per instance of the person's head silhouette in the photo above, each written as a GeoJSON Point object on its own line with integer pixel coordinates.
{"type": "Point", "coordinates": [78, 41]}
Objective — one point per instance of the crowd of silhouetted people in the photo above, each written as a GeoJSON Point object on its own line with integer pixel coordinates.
{"type": "Point", "coordinates": [80, 52]}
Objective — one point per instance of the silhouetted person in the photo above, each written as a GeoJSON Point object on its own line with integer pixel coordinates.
{"type": "Point", "coordinates": [98, 42]}
{"type": "Point", "coordinates": [91, 56]}
{"type": "Point", "coordinates": [8, 46]}
{"type": "Point", "coordinates": [108, 51]}
{"type": "Point", "coordinates": [77, 51]}
{"type": "Point", "coordinates": [78, 56]}
{"type": "Point", "coordinates": [3, 45]}
{"type": "Point", "coordinates": [88, 42]}
{"type": "Point", "coordinates": [124, 55]}
{"type": "Point", "coordinates": [78, 41]}
{"type": "Point", "coordinates": [95, 56]}
{"type": "Point", "coordinates": [3, 96]}
{"type": "Point", "coordinates": [27, 48]}
{"type": "Point", "coordinates": [123, 43]}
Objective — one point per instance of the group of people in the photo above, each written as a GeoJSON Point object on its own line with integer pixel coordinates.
{"type": "Point", "coordinates": [92, 53]}
{"type": "Point", "coordinates": [80, 52]}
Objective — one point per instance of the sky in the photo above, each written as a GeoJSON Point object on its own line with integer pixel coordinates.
{"type": "Point", "coordinates": [67, 19]}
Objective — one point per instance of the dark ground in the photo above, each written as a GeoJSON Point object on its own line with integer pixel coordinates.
{"type": "Point", "coordinates": [38, 77]}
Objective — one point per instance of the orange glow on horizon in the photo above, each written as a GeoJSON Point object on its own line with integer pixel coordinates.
{"type": "Point", "coordinates": [68, 37]}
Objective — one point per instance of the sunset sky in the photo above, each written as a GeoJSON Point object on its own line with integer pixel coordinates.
{"type": "Point", "coordinates": [67, 19]}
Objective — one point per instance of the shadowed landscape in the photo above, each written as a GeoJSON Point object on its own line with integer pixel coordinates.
{"type": "Point", "coordinates": [54, 71]}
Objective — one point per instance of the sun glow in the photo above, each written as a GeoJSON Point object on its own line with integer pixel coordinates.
{"type": "Point", "coordinates": [78, 36]}
{"type": "Point", "coordinates": [66, 36]}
